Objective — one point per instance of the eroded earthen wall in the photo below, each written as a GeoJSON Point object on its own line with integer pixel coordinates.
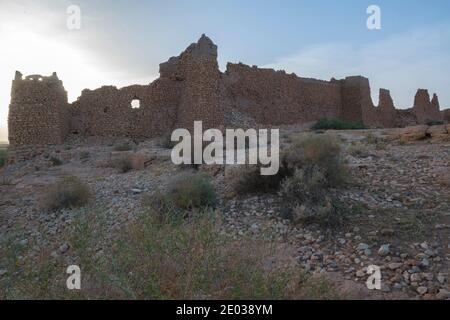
{"type": "Point", "coordinates": [424, 109]}
{"type": "Point", "coordinates": [274, 97]}
{"type": "Point", "coordinates": [108, 111]}
{"type": "Point", "coordinates": [191, 88]}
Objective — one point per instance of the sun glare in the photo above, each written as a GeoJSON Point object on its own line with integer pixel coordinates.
{"type": "Point", "coordinates": [33, 53]}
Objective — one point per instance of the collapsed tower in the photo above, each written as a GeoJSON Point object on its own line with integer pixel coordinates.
{"type": "Point", "coordinates": [38, 111]}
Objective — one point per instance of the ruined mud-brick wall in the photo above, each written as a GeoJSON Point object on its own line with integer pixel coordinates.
{"type": "Point", "coordinates": [191, 88]}
{"type": "Point", "coordinates": [446, 115]}
{"type": "Point", "coordinates": [424, 109]}
{"type": "Point", "coordinates": [274, 97]}
{"type": "Point", "coordinates": [358, 106]}
{"type": "Point", "coordinates": [108, 111]}
{"type": "Point", "coordinates": [197, 72]}
{"type": "Point", "coordinates": [187, 90]}
{"type": "Point", "coordinates": [38, 111]}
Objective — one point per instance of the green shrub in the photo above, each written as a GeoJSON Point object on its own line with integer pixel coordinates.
{"type": "Point", "coordinates": [190, 191]}
{"type": "Point", "coordinates": [434, 123]}
{"type": "Point", "coordinates": [84, 155]}
{"type": "Point", "coordinates": [248, 179]}
{"type": "Point", "coordinates": [3, 157]}
{"type": "Point", "coordinates": [124, 163]}
{"type": "Point", "coordinates": [165, 141]}
{"type": "Point", "coordinates": [322, 151]}
{"type": "Point", "coordinates": [337, 124]}
{"type": "Point", "coordinates": [359, 150]}
{"type": "Point", "coordinates": [314, 165]}
{"type": "Point", "coordinates": [307, 193]}
{"type": "Point", "coordinates": [305, 153]}
{"type": "Point", "coordinates": [69, 192]}
{"type": "Point", "coordinates": [161, 207]}
{"type": "Point", "coordinates": [55, 161]}
{"type": "Point", "coordinates": [126, 146]}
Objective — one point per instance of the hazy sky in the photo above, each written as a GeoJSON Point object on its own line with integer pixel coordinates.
{"type": "Point", "coordinates": [122, 42]}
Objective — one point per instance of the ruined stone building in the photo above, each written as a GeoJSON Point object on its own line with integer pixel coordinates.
{"type": "Point", "coordinates": [191, 87]}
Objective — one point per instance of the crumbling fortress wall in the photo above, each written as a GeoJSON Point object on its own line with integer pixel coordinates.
{"type": "Point", "coordinates": [191, 87]}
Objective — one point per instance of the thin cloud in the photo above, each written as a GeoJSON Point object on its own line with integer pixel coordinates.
{"type": "Point", "coordinates": [402, 63]}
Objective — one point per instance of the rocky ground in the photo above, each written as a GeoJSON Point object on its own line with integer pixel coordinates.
{"type": "Point", "coordinates": [398, 200]}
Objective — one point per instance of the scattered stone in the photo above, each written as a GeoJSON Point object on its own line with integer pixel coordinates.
{"type": "Point", "coordinates": [443, 294]}
{"type": "Point", "coordinates": [441, 278]}
{"type": "Point", "coordinates": [387, 232]}
{"type": "Point", "coordinates": [425, 263]}
{"type": "Point", "coordinates": [362, 246]}
{"type": "Point", "coordinates": [422, 290]}
{"type": "Point", "coordinates": [415, 277]}
{"type": "Point", "coordinates": [64, 248]}
{"type": "Point", "coordinates": [384, 250]}
{"type": "Point", "coordinates": [395, 265]}
{"type": "Point", "coordinates": [360, 274]}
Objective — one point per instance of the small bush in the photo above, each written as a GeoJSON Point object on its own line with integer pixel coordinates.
{"type": "Point", "coordinates": [126, 146]}
{"type": "Point", "coordinates": [124, 164]}
{"type": "Point", "coordinates": [303, 153]}
{"type": "Point", "coordinates": [248, 179]}
{"type": "Point", "coordinates": [84, 155]}
{"type": "Point", "coordinates": [165, 141]}
{"type": "Point", "coordinates": [69, 192]}
{"type": "Point", "coordinates": [3, 157]}
{"type": "Point", "coordinates": [359, 150]}
{"type": "Point", "coordinates": [434, 123]}
{"type": "Point", "coordinates": [311, 202]}
{"type": "Point", "coordinates": [190, 191]}
{"type": "Point", "coordinates": [337, 124]}
{"type": "Point", "coordinates": [314, 165]}
{"type": "Point", "coordinates": [161, 207]}
{"type": "Point", "coordinates": [54, 161]}
{"type": "Point", "coordinates": [317, 150]}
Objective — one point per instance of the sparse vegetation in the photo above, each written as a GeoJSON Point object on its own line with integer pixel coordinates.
{"type": "Point", "coordinates": [69, 192]}
{"type": "Point", "coordinates": [189, 191]}
{"type": "Point", "coordinates": [317, 166]}
{"type": "Point", "coordinates": [165, 141]}
{"type": "Point", "coordinates": [358, 150]}
{"type": "Point", "coordinates": [248, 179]}
{"type": "Point", "coordinates": [322, 151]}
{"type": "Point", "coordinates": [54, 161]}
{"type": "Point", "coordinates": [170, 259]}
{"type": "Point", "coordinates": [303, 153]}
{"type": "Point", "coordinates": [124, 163]}
{"type": "Point", "coordinates": [337, 124]}
{"type": "Point", "coordinates": [434, 123]}
{"type": "Point", "coordinates": [311, 165]}
{"type": "Point", "coordinates": [84, 155]}
{"type": "Point", "coordinates": [125, 146]}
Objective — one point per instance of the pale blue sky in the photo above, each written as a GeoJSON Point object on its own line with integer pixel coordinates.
{"type": "Point", "coordinates": [122, 42]}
